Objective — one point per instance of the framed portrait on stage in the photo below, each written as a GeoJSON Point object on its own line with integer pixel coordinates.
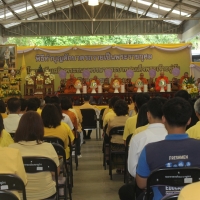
{"type": "Point", "coordinates": [8, 56]}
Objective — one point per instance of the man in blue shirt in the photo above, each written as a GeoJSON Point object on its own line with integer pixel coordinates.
{"type": "Point", "coordinates": [177, 150]}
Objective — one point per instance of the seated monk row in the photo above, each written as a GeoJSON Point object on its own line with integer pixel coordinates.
{"type": "Point", "coordinates": [129, 86]}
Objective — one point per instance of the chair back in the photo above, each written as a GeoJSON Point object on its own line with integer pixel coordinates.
{"type": "Point", "coordinates": [101, 118]}
{"type": "Point", "coordinates": [41, 164]}
{"type": "Point", "coordinates": [119, 130]}
{"type": "Point", "coordinates": [12, 135]}
{"type": "Point", "coordinates": [89, 118]}
{"type": "Point", "coordinates": [176, 177]}
{"type": "Point", "coordinates": [12, 182]}
{"type": "Point", "coordinates": [171, 197]}
{"type": "Point", "coordinates": [55, 140]}
{"type": "Point", "coordinates": [5, 194]}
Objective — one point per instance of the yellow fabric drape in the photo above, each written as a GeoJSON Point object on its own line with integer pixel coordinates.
{"type": "Point", "coordinates": [23, 69]}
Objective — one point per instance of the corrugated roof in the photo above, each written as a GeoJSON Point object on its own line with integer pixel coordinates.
{"type": "Point", "coordinates": [16, 12]}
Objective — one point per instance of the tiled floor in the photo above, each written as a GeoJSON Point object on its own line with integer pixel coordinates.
{"type": "Point", "coordinates": [91, 181]}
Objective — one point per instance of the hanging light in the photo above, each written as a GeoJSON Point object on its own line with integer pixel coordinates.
{"type": "Point", "coordinates": [93, 2]}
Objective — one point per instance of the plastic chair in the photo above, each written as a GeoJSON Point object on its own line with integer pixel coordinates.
{"type": "Point", "coordinates": [5, 194]}
{"type": "Point", "coordinates": [126, 173]}
{"type": "Point", "coordinates": [55, 140]}
{"type": "Point", "coordinates": [115, 151]}
{"type": "Point", "coordinates": [105, 145]}
{"type": "Point", "coordinates": [89, 119]}
{"type": "Point", "coordinates": [11, 182]}
{"type": "Point", "coordinates": [101, 121]}
{"type": "Point", "coordinates": [12, 135]}
{"type": "Point", "coordinates": [175, 177]}
{"type": "Point", "coordinates": [41, 164]}
{"type": "Point", "coordinates": [171, 197]}
{"type": "Point", "coordinates": [61, 152]}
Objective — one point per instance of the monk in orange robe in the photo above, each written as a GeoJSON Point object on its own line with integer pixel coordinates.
{"type": "Point", "coordinates": [185, 76]}
{"type": "Point", "coordinates": [97, 82]}
{"type": "Point", "coordinates": [144, 80]}
{"type": "Point", "coordinates": [162, 76]}
{"type": "Point", "coordinates": [69, 87]}
{"type": "Point", "coordinates": [116, 77]}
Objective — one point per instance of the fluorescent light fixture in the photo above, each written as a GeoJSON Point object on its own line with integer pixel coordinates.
{"type": "Point", "coordinates": [93, 2]}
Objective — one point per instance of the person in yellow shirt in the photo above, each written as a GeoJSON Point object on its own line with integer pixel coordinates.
{"type": "Point", "coordinates": [130, 125]}
{"type": "Point", "coordinates": [110, 113]}
{"type": "Point", "coordinates": [5, 138]}
{"type": "Point", "coordinates": [29, 141]}
{"type": "Point", "coordinates": [3, 109]}
{"type": "Point", "coordinates": [11, 163]}
{"type": "Point", "coordinates": [53, 127]}
{"type": "Point", "coordinates": [190, 192]}
{"type": "Point", "coordinates": [194, 131]}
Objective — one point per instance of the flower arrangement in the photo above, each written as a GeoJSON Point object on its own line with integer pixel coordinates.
{"type": "Point", "coordinates": [52, 76]}
{"type": "Point", "coordinates": [47, 73]}
{"type": "Point", "coordinates": [13, 82]}
{"type": "Point", "coordinates": [189, 85]}
{"type": "Point", "coordinates": [14, 92]}
{"type": "Point", "coordinates": [32, 73]}
{"type": "Point", "coordinates": [4, 86]}
{"type": "Point", "coordinates": [48, 81]}
{"type": "Point", "coordinates": [18, 78]}
{"type": "Point", "coordinates": [39, 77]}
{"type": "Point", "coordinates": [30, 81]}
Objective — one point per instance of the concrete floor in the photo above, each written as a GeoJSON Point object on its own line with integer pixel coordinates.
{"type": "Point", "coordinates": [91, 181]}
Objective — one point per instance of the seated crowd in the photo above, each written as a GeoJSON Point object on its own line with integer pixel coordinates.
{"type": "Point", "coordinates": [159, 130]}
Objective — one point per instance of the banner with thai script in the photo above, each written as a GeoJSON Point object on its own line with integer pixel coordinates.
{"type": "Point", "coordinates": [117, 59]}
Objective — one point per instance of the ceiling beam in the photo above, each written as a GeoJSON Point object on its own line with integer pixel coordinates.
{"type": "Point", "coordinates": [11, 10]}
{"type": "Point", "coordinates": [89, 20]}
{"type": "Point", "coordinates": [34, 8]}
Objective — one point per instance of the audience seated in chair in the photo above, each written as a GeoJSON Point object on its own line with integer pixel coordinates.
{"type": "Point", "coordinates": [87, 105]}
{"type": "Point", "coordinates": [5, 138]}
{"type": "Point", "coordinates": [194, 131]}
{"type": "Point", "coordinates": [177, 144]}
{"type": "Point", "coordinates": [29, 141]}
{"type": "Point", "coordinates": [130, 125]}
{"type": "Point", "coordinates": [3, 109]}
{"type": "Point", "coordinates": [53, 127]}
{"type": "Point", "coordinates": [190, 192]}
{"type": "Point", "coordinates": [23, 106]}
{"type": "Point", "coordinates": [11, 122]}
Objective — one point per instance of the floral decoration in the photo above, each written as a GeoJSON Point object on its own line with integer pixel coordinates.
{"type": "Point", "coordinates": [39, 77]}
{"type": "Point", "coordinates": [47, 81]}
{"type": "Point", "coordinates": [14, 92]}
{"type": "Point", "coordinates": [32, 73]}
{"type": "Point", "coordinates": [47, 72]}
{"type": "Point", "coordinates": [13, 82]}
{"type": "Point", "coordinates": [190, 86]}
{"type": "Point", "coordinates": [4, 86]}
{"type": "Point", "coordinates": [18, 78]}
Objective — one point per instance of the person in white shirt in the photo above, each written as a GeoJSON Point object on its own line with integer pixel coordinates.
{"type": "Point", "coordinates": [155, 132]}
{"type": "Point", "coordinates": [11, 122]}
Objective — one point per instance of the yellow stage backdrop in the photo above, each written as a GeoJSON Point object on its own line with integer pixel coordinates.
{"type": "Point", "coordinates": [118, 58]}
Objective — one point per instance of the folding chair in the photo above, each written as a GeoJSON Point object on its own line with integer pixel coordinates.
{"type": "Point", "coordinates": [11, 182]}
{"type": "Point", "coordinates": [115, 149]}
{"type": "Point", "coordinates": [12, 135]}
{"type": "Point", "coordinates": [171, 197]}
{"type": "Point", "coordinates": [5, 194]}
{"type": "Point", "coordinates": [89, 120]}
{"type": "Point", "coordinates": [100, 119]}
{"type": "Point", "coordinates": [55, 140]}
{"type": "Point", "coordinates": [127, 176]}
{"type": "Point", "coordinates": [41, 164]}
{"type": "Point", "coordinates": [176, 177]}
{"type": "Point", "coordinates": [61, 152]}
{"type": "Point", "coordinates": [105, 146]}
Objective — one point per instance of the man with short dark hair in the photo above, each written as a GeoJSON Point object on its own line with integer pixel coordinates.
{"type": "Point", "coordinates": [130, 125]}
{"type": "Point", "coordinates": [177, 150]}
{"type": "Point", "coordinates": [11, 122]}
{"type": "Point", "coordinates": [155, 132]}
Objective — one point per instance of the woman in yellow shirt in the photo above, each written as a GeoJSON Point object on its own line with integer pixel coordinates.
{"type": "Point", "coordinates": [5, 138]}
{"type": "Point", "coordinates": [53, 127]}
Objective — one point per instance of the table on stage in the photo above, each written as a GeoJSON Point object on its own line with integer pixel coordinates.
{"type": "Point", "coordinates": [78, 98]}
